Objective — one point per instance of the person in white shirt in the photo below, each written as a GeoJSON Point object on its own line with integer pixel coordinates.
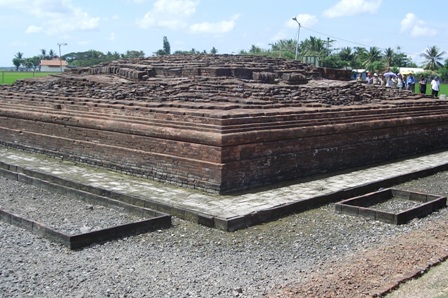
{"type": "Point", "coordinates": [400, 84]}
{"type": "Point", "coordinates": [435, 86]}
{"type": "Point", "coordinates": [389, 82]}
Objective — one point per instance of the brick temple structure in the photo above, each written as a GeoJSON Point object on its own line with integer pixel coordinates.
{"type": "Point", "coordinates": [218, 123]}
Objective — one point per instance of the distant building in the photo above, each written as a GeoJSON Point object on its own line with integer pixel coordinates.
{"type": "Point", "coordinates": [53, 65]}
{"type": "Point", "coordinates": [408, 70]}
{"type": "Point", "coordinates": [360, 73]}
{"type": "Point", "coordinates": [314, 60]}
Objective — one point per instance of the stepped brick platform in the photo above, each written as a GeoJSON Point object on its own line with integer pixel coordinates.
{"type": "Point", "coordinates": [218, 123]}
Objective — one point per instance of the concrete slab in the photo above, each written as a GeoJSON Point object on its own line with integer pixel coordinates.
{"type": "Point", "coordinates": [229, 212]}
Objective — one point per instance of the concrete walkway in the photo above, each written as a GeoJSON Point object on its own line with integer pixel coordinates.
{"type": "Point", "coordinates": [230, 212]}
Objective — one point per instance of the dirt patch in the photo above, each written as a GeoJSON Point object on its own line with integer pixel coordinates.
{"type": "Point", "coordinates": [377, 271]}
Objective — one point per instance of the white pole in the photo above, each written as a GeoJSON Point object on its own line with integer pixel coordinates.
{"type": "Point", "coordinates": [298, 37]}
{"type": "Point", "coordinates": [60, 58]}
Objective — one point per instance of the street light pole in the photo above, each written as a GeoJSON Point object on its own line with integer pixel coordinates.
{"type": "Point", "coordinates": [298, 36]}
{"type": "Point", "coordinates": [60, 58]}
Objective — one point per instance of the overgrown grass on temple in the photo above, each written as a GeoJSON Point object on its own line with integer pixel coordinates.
{"type": "Point", "coordinates": [9, 77]}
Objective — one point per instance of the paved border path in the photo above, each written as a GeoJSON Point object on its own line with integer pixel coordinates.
{"type": "Point", "coordinates": [231, 212]}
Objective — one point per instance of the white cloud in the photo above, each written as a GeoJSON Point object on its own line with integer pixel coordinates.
{"type": "Point", "coordinates": [214, 28]}
{"type": "Point", "coordinates": [33, 29]}
{"type": "Point", "coordinates": [55, 16]}
{"type": "Point", "coordinates": [416, 27]}
{"type": "Point", "coordinates": [176, 14]}
{"type": "Point", "coordinates": [352, 7]}
{"type": "Point", "coordinates": [306, 20]}
{"type": "Point", "coordinates": [171, 14]}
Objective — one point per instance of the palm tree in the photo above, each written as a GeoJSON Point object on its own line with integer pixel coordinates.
{"type": "Point", "coordinates": [347, 55]}
{"type": "Point", "coordinates": [313, 47]}
{"type": "Point", "coordinates": [287, 48]}
{"type": "Point", "coordinates": [433, 57]}
{"type": "Point", "coordinates": [389, 56]}
{"type": "Point", "coordinates": [44, 54]}
{"type": "Point", "coordinates": [400, 58]}
{"type": "Point", "coordinates": [51, 54]}
{"type": "Point", "coordinates": [373, 55]}
{"type": "Point", "coordinates": [360, 53]}
{"type": "Point", "coordinates": [18, 60]}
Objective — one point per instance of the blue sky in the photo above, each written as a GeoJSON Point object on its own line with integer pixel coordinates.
{"type": "Point", "coordinates": [229, 26]}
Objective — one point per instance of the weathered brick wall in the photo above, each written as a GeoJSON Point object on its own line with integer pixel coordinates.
{"type": "Point", "coordinates": [245, 159]}
{"type": "Point", "coordinates": [328, 149]}
{"type": "Point", "coordinates": [178, 162]}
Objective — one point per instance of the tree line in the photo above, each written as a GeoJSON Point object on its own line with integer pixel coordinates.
{"type": "Point", "coordinates": [80, 59]}
{"type": "Point", "coordinates": [372, 59]}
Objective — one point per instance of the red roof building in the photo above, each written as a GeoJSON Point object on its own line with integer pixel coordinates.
{"type": "Point", "coordinates": [53, 65]}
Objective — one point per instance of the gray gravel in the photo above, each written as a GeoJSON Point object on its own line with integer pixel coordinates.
{"type": "Point", "coordinates": [395, 205]}
{"type": "Point", "coordinates": [61, 213]}
{"type": "Point", "coordinates": [189, 260]}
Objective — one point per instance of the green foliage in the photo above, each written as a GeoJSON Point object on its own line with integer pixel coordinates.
{"type": "Point", "coordinates": [133, 54]}
{"type": "Point", "coordinates": [389, 57]}
{"type": "Point", "coordinates": [334, 61]}
{"type": "Point", "coordinates": [348, 56]}
{"type": "Point", "coordinates": [190, 52]}
{"type": "Point", "coordinates": [166, 46]}
{"type": "Point", "coordinates": [400, 59]}
{"type": "Point", "coordinates": [282, 49]}
{"type": "Point", "coordinates": [443, 74]}
{"type": "Point", "coordinates": [254, 50]}
{"type": "Point", "coordinates": [93, 57]}
{"type": "Point", "coordinates": [166, 50]}
{"type": "Point", "coordinates": [160, 52]}
{"type": "Point", "coordinates": [213, 51]}
{"type": "Point", "coordinates": [432, 56]}
{"type": "Point", "coordinates": [373, 59]}
{"type": "Point", "coordinates": [17, 62]}
{"type": "Point", "coordinates": [394, 69]}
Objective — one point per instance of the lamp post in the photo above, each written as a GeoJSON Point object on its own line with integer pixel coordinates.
{"type": "Point", "coordinates": [298, 36]}
{"type": "Point", "coordinates": [60, 58]}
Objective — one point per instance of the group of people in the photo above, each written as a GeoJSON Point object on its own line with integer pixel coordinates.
{"type": "Point", "coordinates": [405, 82]}
{"type": "Point", "coordinates": [435, 85]}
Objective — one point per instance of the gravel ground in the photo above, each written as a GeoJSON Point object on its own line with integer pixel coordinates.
{"type": "Point", "coordinates": [59, 212]}
{"type": "Point", "coordinates": [284, 257]}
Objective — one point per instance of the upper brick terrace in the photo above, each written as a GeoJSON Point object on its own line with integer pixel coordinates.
{"type": "Point", "coordinates": [218, 123]}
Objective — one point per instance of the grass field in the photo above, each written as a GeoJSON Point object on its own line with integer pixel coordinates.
{"type": "Point", "coordinates": [9, 77]}
{"type": "Point", "coordinates": [443, 89]}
